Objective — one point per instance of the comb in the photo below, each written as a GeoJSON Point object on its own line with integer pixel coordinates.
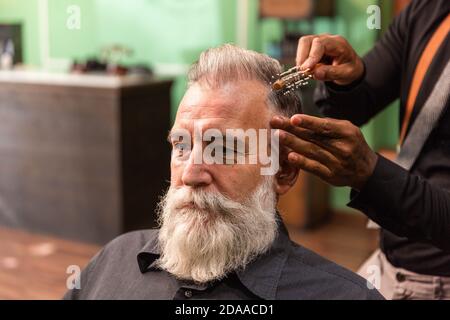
{"type": "Point", "coordinates": [291, 80]}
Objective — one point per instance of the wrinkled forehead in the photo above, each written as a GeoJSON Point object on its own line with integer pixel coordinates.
{"type": "Point", "coordinates": [233, 105]}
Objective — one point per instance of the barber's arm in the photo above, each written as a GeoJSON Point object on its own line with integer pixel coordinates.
{"type": "Point", "coordinates": [335, 150]}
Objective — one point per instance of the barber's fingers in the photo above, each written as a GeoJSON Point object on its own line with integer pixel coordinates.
{"type": "Point", "coordinates": [279, 122]}
{"type": "Point", "coordinates": [322, 134]}
{"type": "Point", "coordinates": [317, 51]}
{"type": "Point", "coordinates": [310, 165]}
{"type": "Point", "coordinates": [286, 124]}
{"type": "Point", "coordinates": [307, 149]}
{"type": "Point", "coordinates": [304, 48]}
{"type": "Point", "coordinates": [319, 47]}
{"type": "Point", "coordinates": [299, 122]}
{"type": "Point", "coordinates": [310, 50]}
{"type": "Point", "coordinates": [326, 127]}
{"type": "Point", "coordinates": [333, 73]}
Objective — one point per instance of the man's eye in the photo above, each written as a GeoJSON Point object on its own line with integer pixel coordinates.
{"type": "Point", "coordinates": [228, 151]}
{"type": "Point", "coordinates": [180, 146]}
{"type": "Point", "coordinates": [232, 156]}
{"type": "Point", "coordinates": [180, 149]}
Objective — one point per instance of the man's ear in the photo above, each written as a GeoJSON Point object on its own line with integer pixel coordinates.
{"type": "Point", "coordinates": [286, 176]}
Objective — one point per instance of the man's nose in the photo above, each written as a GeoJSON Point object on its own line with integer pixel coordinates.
{"type": "Point", "coordinates": [196, 175]}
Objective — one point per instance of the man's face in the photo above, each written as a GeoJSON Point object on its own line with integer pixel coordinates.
{"type": "Point", "coordinates": [215, 218]}
{"type": "Point", "coordinates": [240, 105]}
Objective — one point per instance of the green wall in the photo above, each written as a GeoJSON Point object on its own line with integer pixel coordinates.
{"type": "Point", "coordinates": [162, 32]}
{"type": "Point", "coordinates": [158, 31]}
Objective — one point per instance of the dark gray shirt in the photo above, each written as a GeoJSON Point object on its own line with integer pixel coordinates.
{"type": "Point", "coordinates": [126, 269]}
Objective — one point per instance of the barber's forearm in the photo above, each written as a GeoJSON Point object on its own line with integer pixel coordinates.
{"type": "Point", "coordinates": [351, 103]}
{"type": "Point", "coordinates": [405, 204]}
{"type": "Point", "coordinates": [363, 99]}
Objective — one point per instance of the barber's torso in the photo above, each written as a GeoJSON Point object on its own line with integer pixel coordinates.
{"type": "Point", "coordinates": [433, 163]}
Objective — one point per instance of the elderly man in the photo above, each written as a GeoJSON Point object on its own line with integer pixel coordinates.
{"type": "Point", "coordinates": [220, 236]}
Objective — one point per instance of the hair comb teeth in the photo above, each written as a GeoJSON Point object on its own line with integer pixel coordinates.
{"type": "Point", "coordinates": [291, 80]}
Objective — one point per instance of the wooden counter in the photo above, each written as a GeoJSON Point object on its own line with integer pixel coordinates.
{"type": "Point", "coordinates": [82, 157]}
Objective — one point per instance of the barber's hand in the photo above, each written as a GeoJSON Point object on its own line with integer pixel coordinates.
{"type": "Point", "coordinates": [334, 150]}
{"type": "Point", "coordinates": [341, 63]}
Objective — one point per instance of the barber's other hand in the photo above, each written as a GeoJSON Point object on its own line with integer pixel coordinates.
{"type": "Point", "coordinates": [334, 150]}
{"type": "Point", "coordinates": [342, 64]}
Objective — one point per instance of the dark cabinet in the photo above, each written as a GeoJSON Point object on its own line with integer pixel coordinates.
{"type": "Point", "coordinates": [84, 162]}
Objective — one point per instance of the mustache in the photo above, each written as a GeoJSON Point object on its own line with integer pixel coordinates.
{"type": "Point", "coordinates": [187, 198]}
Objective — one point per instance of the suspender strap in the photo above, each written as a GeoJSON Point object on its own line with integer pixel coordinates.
{"type": "Point", "coordinates": [424, 63]}
{"type": "Point", "coordinates": [426, 121]}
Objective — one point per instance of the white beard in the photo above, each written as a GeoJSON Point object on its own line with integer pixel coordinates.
{"type": "Point", "coordinates": [214, 235]}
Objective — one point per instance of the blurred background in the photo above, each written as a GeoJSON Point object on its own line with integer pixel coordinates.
{"type": "Point", "coordinates": [88, 91]}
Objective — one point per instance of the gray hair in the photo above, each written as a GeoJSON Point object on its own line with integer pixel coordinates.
{"type": "Point", "coordinates": [229, 63]}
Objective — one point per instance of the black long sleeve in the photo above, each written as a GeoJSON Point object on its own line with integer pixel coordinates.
{"type": "Point", "coordinates": [405, 204]}
{"type": "Point", "coordinates": [414, 204]}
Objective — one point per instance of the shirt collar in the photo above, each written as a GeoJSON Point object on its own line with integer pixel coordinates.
{"type": "Point", "coordinates": [148, 255]}
{"type": "Point", "coordinates": [261, 276]}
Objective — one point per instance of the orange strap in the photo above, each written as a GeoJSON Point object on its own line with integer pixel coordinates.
{"type": "Point", "coordinates": [424, 63]}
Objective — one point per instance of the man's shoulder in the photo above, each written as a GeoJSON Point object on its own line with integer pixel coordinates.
{"type": "Point", "coordinates": [319, 278]}
{"type": "Point", "coordinates": [115, 264]}
{"type": "Point", "coordinates": [122, 251]}
{"type": "Point", "coordinates": [133, 240]}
